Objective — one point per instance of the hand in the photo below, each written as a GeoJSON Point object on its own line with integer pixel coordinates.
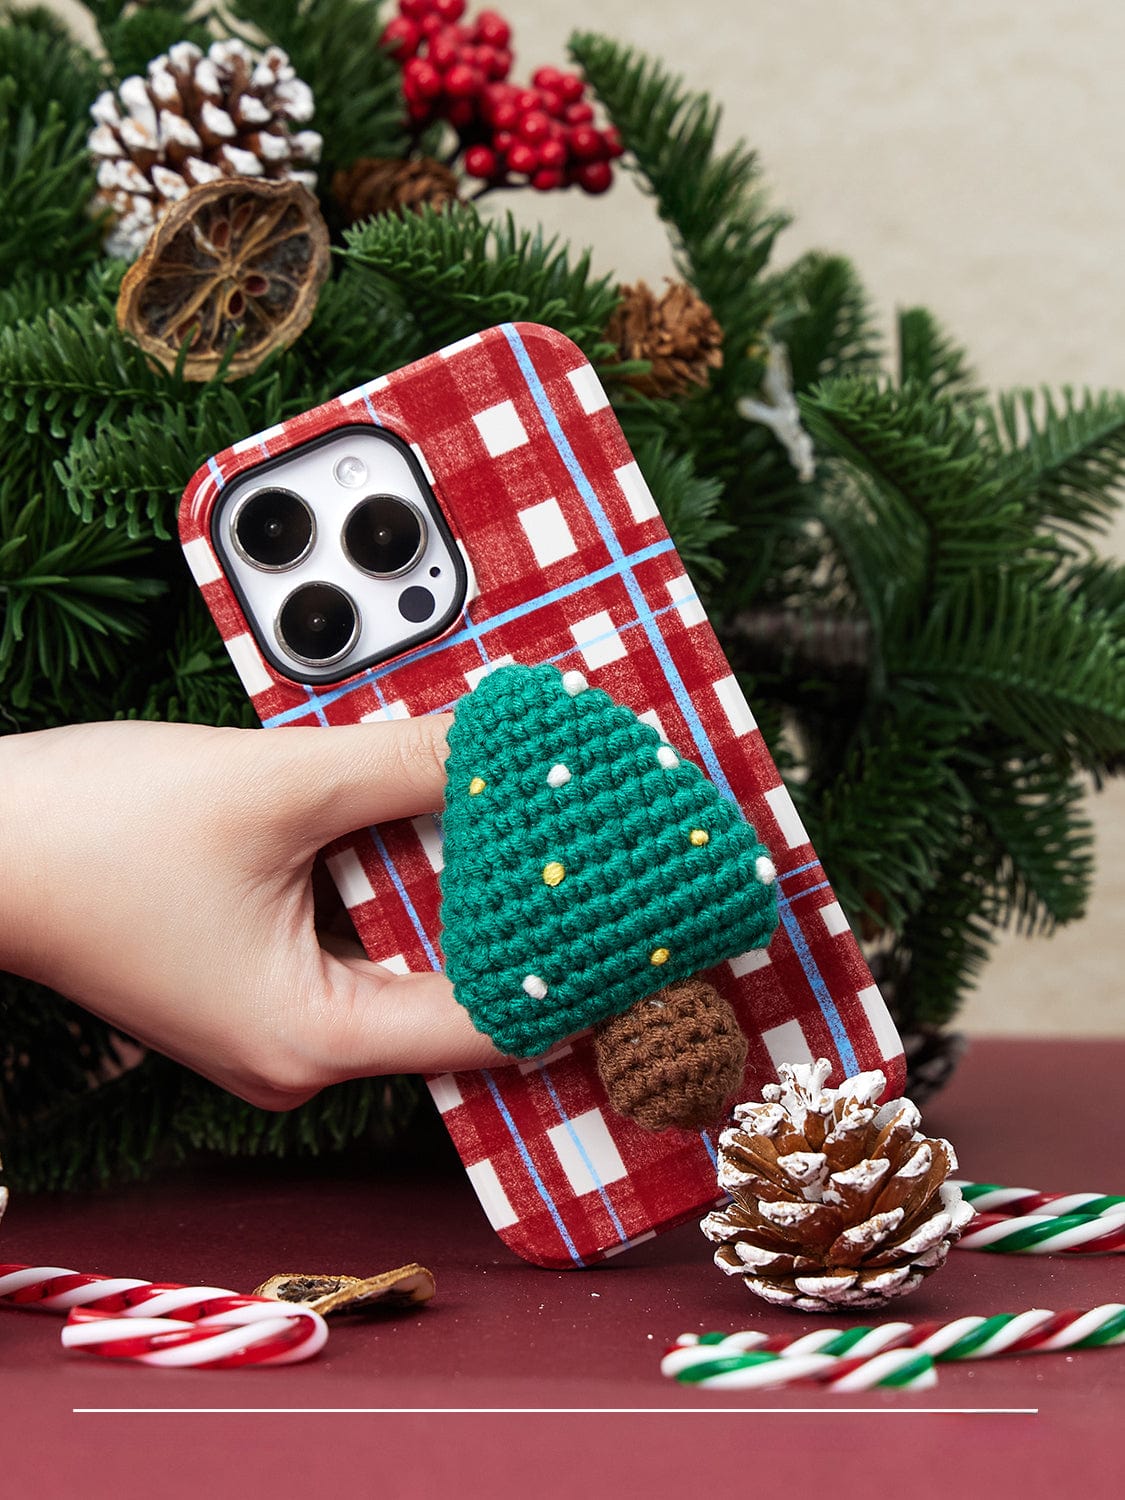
{"type": "Point", "coordinates": [161, 876]}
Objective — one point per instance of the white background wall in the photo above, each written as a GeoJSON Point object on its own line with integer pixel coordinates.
{"type": "Point", "coordinates": [969, 155]}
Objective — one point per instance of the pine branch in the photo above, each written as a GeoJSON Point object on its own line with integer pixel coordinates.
{"type": "Point", "coordinates": [199, 685]}
{"type": "Point", "coordinates": [796, 643]}
{"type": "Point", "coordinates": [1065, 462]}
{"type": "Point", "coordinates": [947, 942]}
{"type": "Point", "coordinates": [688, 503]}
{"type": "Point", "coordinates": [1045, 859]}
{"type": "Point", "coordinates": [133, 473]}
{"type": "Point", "coordinates": [459, 274]}
{"type": "Point", "coordinates": [357, 331]}
{"type": "Point", "coordinates": [893, 812]}
{"type": "Point", "coordinates": [371, 1109]}
{"type": "Point", "coordinates": [930, 489]}
{"type": "Point", "coordinates": [723, 233]}
{"type": "Point", "coordinates": [46, 184]}
{"type": "Point", "coordinates": [1045, 672]}
{"type": "Point", "coordinates": [72, 599]}
{"type": "Point", "coordinates": [929, 358]}
{"type": "Point", "coordinates": [108, 1134]}
{"type": "Point", "coordinates": [825, 320]}
{"type": "Point", "coordinates": [357, 86]}
{"type": "Point", "coordinates": [69, 369]}
{"type": "Point", "coordinates": [134, 38]}
{"type": "Point", "coordinates": [42, 64]}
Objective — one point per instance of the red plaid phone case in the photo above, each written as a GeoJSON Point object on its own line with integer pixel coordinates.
{"type": "Point", "coordinates": [573, 566]}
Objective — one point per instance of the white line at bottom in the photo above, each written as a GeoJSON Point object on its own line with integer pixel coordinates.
{"type": "Point", "coordinates": [522, 1411]}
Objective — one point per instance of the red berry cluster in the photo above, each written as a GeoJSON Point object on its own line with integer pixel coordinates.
{"type": "Point", "coordinates": [544, 134]}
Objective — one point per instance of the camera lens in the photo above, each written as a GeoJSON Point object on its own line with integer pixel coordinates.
{"type": "Point", "coordinates": [273, 528]}
{"type": "Point", "coordinates": [384, 535]}
{"type": "Point", "coordinates": [317, 624]}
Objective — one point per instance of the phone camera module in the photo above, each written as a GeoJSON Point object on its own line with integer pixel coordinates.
{"type": "Point", "coordinates": [384, 535]}
{"type": "Point", "coordinates": [318, 624]}
{"type": "Point", "coordinates": [274, 529]}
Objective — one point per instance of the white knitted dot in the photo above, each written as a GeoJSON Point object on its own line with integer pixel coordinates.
{"type": "Point", "coordinates": [667, 757]}
{"type": "Point", "coordinates": [574, 683]}
{"type": "Point", "coordinates": [765, 870]}
{"type": "Point", "coordinates": [534, 987]}
{"type": "Point", "coordinates": [558, 775]}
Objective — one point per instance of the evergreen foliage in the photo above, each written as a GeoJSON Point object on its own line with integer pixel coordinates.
{"type": "Point", "coordinates": [930, 642]}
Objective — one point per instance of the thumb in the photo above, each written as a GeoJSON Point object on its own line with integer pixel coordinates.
{"type": "Point", "coordinates": [327, 782]}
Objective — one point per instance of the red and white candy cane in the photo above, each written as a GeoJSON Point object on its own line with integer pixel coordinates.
{"type": "Point", "coordinates": [734, 1369]}
{"type": "Point", "coordinates": [1037, 1331]}
{"type": "Point", "coordinates": [166, 1324]}
{"type": "Point", "coordinates": [1045, 1234]}
{"type": "Point", "coordinates": [993, 1198]}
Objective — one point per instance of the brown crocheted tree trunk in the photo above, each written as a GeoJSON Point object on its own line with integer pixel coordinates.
{"type": "Point", "coordinates": [672, 1061]}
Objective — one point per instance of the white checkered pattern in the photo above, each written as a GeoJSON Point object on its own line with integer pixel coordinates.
{"type": "Point", "coordinates": [460, 344]}
{"type": "Point", "coordinates": [682, 593]}
{"type": "Point", "coordinates": [788, 818]}
{"type": "Point", "coordinates": [396, 709]}
{"type": "Point", "coordinates": [746, 963]}
{"type": "Point", "coordinates": [445, 1093]}
{"type": "Point", "coordinates": [493, 1198]}
{"type": "Point", "coordinates": [430, 839]}
{"type": "Point", "coordinates": [650, 716]}
{"type": "Point", "coordinates": [478, 674]}
{"type": "Point", "coordinates": [380, 383]}
{"type": "Point", "coordinates": [597, 639]}
{"type": "Point", "coordinates": [350, 877]}
{"type": "Point", "coordinates": [546, 529]}
{"type": "Point", "coordinates": [243, 651]}
{"type": "Point", "coordinates": [732, 701]}
{"type": "Point", "coordinates": [584, 1143]}
{"type": "Point", "coordinates": [834, 919]}
{"type": "Point", "coordinates": [259, 440]}
{"type": "Point", "coordinates": [787, 1044]}
{"type": "Point", "coordinates": [500, 428]}
{"type": "Point", "coordinates": [202, 561]}
{"type": "Point", "coordinates": [588, 388]}
{"type": "Point", "coordinates": [878, 1018]}
{"type": "Point", "coordinates": [641, 504]}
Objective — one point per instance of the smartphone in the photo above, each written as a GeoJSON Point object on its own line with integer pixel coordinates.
{"type": "Point", "coordinates": [374, 559]}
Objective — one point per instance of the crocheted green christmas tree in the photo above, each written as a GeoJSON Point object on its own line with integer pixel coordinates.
{"type": "Point", "coordinates": [586, 865]}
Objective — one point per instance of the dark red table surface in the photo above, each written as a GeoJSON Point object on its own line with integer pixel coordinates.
{"type": "Point", "coordinates": [515, 1381]}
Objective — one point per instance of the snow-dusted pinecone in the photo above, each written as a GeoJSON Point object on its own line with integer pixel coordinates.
{"type": "Point", "coordinates": [837, 1201]}
{"type": "Point", "coordinates": [197, 117]}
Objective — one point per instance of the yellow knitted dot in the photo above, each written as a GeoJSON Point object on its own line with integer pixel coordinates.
{"type": "Point", "coordinates": [554, 872]}
{"type": "Point", "coordinates": [699, 837]}
{"type": "Point", "coordinates": [659, 956]}
{"type": "Point", "coordinates": [476, 786]}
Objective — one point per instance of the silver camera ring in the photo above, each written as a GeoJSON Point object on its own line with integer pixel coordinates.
{"type": "Point", "coordinates": [423, 534]}
{"type": "Point", "coordinates": [317, 661]}
{"type": "Point", "coordinates": [244, 501]}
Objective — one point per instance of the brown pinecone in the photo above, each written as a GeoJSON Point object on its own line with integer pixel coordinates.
{"type": "Point", "coordinates": [194, 119]}
{"type": "Point", "coordinates": [837, 1201]}
{"type": "Point", "coordinates": [678, 333]}
{"type": "Point", "coordinates": [379, 185]}
{"type": "Point", "coordinates": [674, 1059]}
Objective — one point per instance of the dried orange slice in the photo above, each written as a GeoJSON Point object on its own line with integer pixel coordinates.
{"type": "Point", "coordinates": [236, 258]}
